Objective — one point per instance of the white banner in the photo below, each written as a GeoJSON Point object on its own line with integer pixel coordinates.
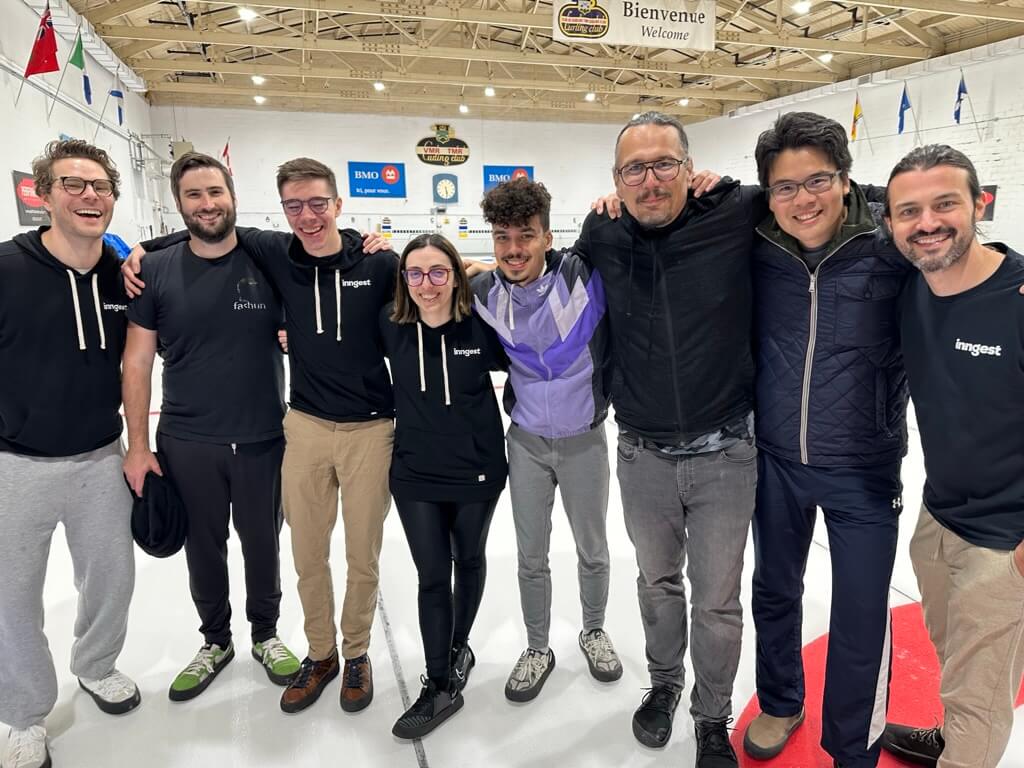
{"type": "Point", "coordinates": [649, 23]}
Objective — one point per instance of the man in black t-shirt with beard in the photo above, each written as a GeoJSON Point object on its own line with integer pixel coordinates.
{"type": "Point", "coordinates": [213, 317]}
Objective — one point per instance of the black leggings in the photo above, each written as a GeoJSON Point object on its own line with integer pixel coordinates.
{"type": "Point", "coordinates": [439, 533]}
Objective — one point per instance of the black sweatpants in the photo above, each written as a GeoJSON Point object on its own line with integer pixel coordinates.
{"type": "Point", "coordinates": [241, 482]}
{"type": "Point", "coordinates": [440, 533]}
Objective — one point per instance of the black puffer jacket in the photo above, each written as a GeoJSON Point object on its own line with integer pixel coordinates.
{"type": "Point", "coordinates": [831, 388]}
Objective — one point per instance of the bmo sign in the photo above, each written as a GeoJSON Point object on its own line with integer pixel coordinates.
{"type": "Point", "coordinates": [376, 179]}
{"type": "Point", "coordinates": [495, 174]}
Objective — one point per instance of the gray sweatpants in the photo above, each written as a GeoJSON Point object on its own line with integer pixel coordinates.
{"type": "Point", "coordinates": [86, 493]}
{"type": "Point", "coordinates": [578, 466]}
{"type": "Point", "coordinates": [691, 511]}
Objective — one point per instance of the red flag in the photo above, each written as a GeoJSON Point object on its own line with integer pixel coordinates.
{"type": "Point", "coordinates": [226, 156]}
{"type": "Point", "coordinates": [44, 49]}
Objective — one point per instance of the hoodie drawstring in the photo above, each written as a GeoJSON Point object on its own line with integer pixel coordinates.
{"type": "Point", "coordinates": [316, 299]}
{"type": "Point", "coordinates": [99, 315]}
{"type": "Point", "coordinates": [444, 363]}
{"type": "Point", "coordinates": [78, 310]}
{"type": "Point", "coordinates": [337, 302]}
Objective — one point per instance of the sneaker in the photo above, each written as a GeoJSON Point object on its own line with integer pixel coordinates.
{"type": "Point", "coordinates": [114, 694]}
{"type": "Point", "coordinates": [601, 656]}
{"type": "Point", "coordinates": [462, 662]}
{"type": "Point", "coordinates": [26, 748]}
{"type": "Point", "coordinates": [921, 746]}
{"type": "Point", "coordinates": [432, 708]}
{"type": "Point", "coordinates": [309, 682]}
{"type": "Point", "coordinates": [652, 721]}
{"type": "Point", "coordinates": [280, 663]}
{"type": "Point", "coordinates": [529, 674]}
{"type": "Point", "coordinates": [766, 735]}
{"type": "Point", "coordinates": [713, 747]}
{"type": "Point", "coordinates": [357, 684]}
{"type": "Point", "coordinates": [197, 676]}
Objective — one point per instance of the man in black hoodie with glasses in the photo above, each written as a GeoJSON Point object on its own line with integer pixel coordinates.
{"type": "Point", "coordinates": [62, 331]}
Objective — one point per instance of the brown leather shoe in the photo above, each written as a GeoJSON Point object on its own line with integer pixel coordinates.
{"type": "Point", "coordinates": [309, 683]}
{"type": "Point", "coordinates": [766, 735]}
{"type": "Point", "coordinates": [357, 684]}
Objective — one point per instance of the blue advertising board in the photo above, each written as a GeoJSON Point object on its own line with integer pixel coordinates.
{"type": "Point", "coordinates": [376, 179]}
{"type": "Point", "coordinates": [495, 174]}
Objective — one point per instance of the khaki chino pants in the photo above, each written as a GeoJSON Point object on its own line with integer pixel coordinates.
{"type": "Point", "coordinates": [973, 601]}
{"type": "Point", "coordinates": [322, 458]}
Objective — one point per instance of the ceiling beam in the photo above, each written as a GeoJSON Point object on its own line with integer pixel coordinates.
{"type": "Point", "coordinates": [180, 34]}
{"type": "Point", "coordinates": [569, 85]}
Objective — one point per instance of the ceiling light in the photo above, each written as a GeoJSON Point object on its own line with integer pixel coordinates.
{"type": "Point", "coordinates": [259, 99]}
{"type": "Point", "coordinates": [684, 102]}
{"type": "Point", "coordinates": [247, 14]}
{"type": "Point", "coordinates": [590, 96]}
{"type": "Point", "coordinates": [258, 80]}
{"type": "Point", "coordinates": [826, 57]}
{"type": "Point", "coordinates": [463, 108]}
{"type": "Point", "coordinates": [488, 91]}
{"type": "Point", "coordinates": [379, 86]}
{"type": "Point", "coordinates": [803, 6]}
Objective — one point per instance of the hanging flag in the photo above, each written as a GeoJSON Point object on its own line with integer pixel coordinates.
{"type": "Point", "coordinates": [119, 99]}
{"type": "Point", "coordinates": [904, 106]}
{"type": "Point", "coordinates": [858, 115]}
{"type": "Point", "coordinates": [78, 59]}
{"type": "Point", "coordinates": [961, 94]}
{"type": "Point", "coordinates": [226, 156]}
{"type": "Point", "coordinates": [44, 50]}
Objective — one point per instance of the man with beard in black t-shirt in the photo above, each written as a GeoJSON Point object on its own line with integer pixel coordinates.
{"type": "Point", "coordinates": [213, 317]}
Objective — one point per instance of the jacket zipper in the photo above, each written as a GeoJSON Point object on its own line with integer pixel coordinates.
{"type": "Point", "coordinates": [812, 337]}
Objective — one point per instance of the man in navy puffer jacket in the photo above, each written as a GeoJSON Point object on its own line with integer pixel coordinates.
{"type": "Point", "coordinates": [831, 399]}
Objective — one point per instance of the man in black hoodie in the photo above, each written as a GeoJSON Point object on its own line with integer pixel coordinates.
{"type": "Point", "coordinates": [62, 331]}
{"type": "Point", "coordinates": [677, 278]}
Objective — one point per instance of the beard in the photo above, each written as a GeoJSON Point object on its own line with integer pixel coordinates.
{"type": "Point", "coordinates": [653, 219]}
{"type": "Point", "coordinates": [959, 245]}
{"type": "Point", "coordinates": [211, 234]}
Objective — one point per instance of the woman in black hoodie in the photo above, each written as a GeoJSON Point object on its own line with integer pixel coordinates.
{"type": "Point", "coordinates": [448, 468]}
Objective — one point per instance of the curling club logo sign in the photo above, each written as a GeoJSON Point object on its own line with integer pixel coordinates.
{"type": "Point", "coordinates": [583, 19]}
{"type": "Point", "coordinates": [442, 148]}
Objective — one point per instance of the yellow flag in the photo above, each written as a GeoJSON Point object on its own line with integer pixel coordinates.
{"type": "Point", "coordinates": [858, 115]}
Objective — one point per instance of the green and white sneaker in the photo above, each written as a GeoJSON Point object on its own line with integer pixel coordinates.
{"type": "Point", "coordinates": [197, 676]}
{"type": "Point", "coordinates": [280, 663]}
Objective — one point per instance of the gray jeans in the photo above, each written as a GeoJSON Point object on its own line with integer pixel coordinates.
{"type": "Point", "coordinates": [86, 493]}
{"type": "Point", "coordinates": [695, 508]}
{"type": "Point", "coordinates": [578, 467]}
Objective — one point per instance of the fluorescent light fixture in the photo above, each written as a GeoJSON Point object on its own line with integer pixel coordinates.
{"type": "Point", "coordinates": [590, 96]}
{"type": "Point", "coordinates": [259, 99]}
{"type": "Point", "coordinates": [684, 102]}
{"type": "Point", "coordinates": [803, 6]}
{"type": "Point", "coordinates": [379, 86]}
{"type": "Point", "coordinates": [463, 108]}
{"type": "Point", "coordinates": [488, 91]}
{"type": "Point", "coordinates": [258, 79]}
{"type": "Point", "coordinates": [247, 14]}
{"type": "Point", "coordinates": [826, 57]}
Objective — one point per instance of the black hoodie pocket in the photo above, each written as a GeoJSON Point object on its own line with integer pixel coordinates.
{"type": "Point", "coordinates": [432, 454]}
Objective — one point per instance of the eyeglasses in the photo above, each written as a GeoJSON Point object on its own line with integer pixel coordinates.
{"type": "Point", "coordinates": [817, 184]}
{"type": "Point", "coordinates": [437, 275]}
{"type": "Point", "coordinates": [635, 174]}
{"type": "Point", "coordinates": [74, 185]}
{"type": "Point", "coordinates": [294, 206]}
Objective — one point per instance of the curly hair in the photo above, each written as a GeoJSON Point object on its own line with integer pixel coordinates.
{"type": "Point", "coordinates": [64, 149]}
{"type": "Point", "coordinates": [513, 203]}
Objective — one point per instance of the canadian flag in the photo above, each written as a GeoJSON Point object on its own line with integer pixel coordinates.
{"type": "Point", "coordinates": [226, 155]}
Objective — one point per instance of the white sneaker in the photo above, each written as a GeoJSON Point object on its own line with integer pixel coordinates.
{"type": "Point", "coordinates": [115, 694]}
{"type": "Point", "coordinates": [529, 674]}
{"type": "Point", "coordinates": [26, 748]}
{"type": "Point", "coordinates": [601, 656]}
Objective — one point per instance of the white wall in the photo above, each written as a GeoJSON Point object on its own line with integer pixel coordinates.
{"type": "Point", "coordinates": [991, 134]}
{"type": "Point", "coordinates": [25, 129]}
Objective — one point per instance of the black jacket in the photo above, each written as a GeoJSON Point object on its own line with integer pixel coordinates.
{"type": "Point", "coordinates": [336, 361]}
{"type": "Point", "coordinates": [449, 441]}
{"type": "Point", "coordinates": [831, 388]}
{"type": "Point", "coordinates": [679, 305]}
{"type": "Point", "coordinates": [61, 339]}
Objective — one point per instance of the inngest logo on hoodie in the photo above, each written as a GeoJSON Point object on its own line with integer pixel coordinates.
{"type": "Point", "coordinates": [116, 307]}
{"type": "Point", "coordinates": [466, 352]}
{"type": "Point", "coordinates": [357, 283]}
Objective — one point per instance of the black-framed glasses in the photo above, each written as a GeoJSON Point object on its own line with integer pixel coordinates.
{"type": "Point", "coordinates": [635, 174]}
{"type": "Point", "coordinates": [293, 206]}
{"type": "Point", "coordinates": [817, 184]}
{"type": "Point", "coordinates": [436, 275]}
{"type": "Point", "coordinates": [75, 185]}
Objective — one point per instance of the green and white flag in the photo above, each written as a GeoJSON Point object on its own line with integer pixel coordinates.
{"type": "Point", "coordinates": [78, 59]}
